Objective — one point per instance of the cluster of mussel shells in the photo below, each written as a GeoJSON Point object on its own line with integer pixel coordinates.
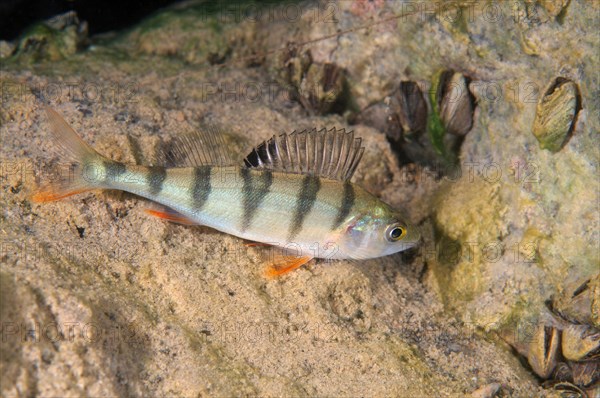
{"type": "Point", "coordinates": [319, 87]}
{"type": "Point", "coordinates": [445, 112]}
{"type": "Point", "coordinates": [451, 101]}
{"type": "Point", "coordinates": [447, 115]}
{"type": "Point", "coordinates": [563, 346]}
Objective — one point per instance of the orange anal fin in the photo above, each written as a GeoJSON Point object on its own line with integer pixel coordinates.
{"type": "Point", "coordinates": [171, 215]}
{"type": "Point", "coordinates": [284, 264]}
{"type": "Point", "coordinates": [251, 243]}
{"type": "Point", "coordinates": [50, 195]}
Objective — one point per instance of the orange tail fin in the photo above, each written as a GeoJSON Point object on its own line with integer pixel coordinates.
{"type": "Point", "coordinates": [73, 150]}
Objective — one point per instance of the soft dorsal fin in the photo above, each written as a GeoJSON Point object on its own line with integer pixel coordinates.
{"type": "Point", "coordinates": [199, 148]}
{"type": "Point", "coordinates": [333, 153]}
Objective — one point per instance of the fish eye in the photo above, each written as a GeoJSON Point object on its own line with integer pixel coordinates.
{"type": "Point", "coordinates": [395, 233]}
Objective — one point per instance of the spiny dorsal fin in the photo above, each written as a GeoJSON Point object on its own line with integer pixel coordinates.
{"type": "Point", "coordinates": [200, 148]}
{"type": "Point", "coordinates": [332, 154]}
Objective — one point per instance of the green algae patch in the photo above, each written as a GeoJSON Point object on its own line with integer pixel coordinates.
{"type": "Point", "coordinates": [434, 122]}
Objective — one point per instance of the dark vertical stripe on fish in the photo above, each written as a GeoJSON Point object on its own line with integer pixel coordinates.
{"type": "Point", "coordinates": [346, 206]}
{"type": "Point", "coordinates": [255, 189]}
{"type": "Point", "coordinates": [306, 200]}
{"type": "Point", "coordinates": [201, 187]}
{"type": "Point", "coordinates": [113, 171]}
{"type": "Point", "coordinates": [155, 179]}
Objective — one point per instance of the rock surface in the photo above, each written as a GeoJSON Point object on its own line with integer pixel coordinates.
{"type": "Point", "coordinates": [99, 300]}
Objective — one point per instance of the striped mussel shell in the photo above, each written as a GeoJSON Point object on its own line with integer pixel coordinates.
{"type": "Point", "coordinates": [556, 114]}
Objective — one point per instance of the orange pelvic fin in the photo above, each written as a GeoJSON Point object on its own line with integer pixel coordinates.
{"type": "Point", "coordinates": [171, 215]}
{"type": "Point", "coordinates": [281, 265]}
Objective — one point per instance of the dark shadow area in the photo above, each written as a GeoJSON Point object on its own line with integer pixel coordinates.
{"type": "Point", "coordinates": [104, 16]}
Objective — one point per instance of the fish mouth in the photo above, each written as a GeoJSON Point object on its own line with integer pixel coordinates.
{"type": "Point", "coordinates": [408, 245]}
{"type": "Point", "coordinates": [405, 245]}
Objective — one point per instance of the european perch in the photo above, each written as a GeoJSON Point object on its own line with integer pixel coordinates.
{"type": "Point", "coordinates": [292, 191]}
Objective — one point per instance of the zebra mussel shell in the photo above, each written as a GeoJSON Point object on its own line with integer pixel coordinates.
{"type": "Point", "coordinates": [408, 109]}
{"type": "Point", "coordinates": [455, 103]}
{"type": "Point", "coordinates": [556, 113]}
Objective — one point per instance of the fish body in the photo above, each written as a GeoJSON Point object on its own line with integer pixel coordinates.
{"type": "Point", "coordinates": [313, 211]}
